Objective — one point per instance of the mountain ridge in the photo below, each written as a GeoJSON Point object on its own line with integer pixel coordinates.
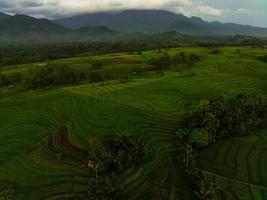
{"type": "Point", "coordinates": [3, 15]}
{"type": "Point", "coordinates": [156, 21]}
{"type": "Point", "coordinates": [19, 24]}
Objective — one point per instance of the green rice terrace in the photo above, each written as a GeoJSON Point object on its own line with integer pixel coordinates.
{"type": "Point", "coordinates": [44, 132]}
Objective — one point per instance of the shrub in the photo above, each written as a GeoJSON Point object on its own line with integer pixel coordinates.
{"type": "Point", "coordinates": [96, 65]}
{"type": "Point", "coordinates": [193, 58]}
{"type": "Point", "coordinates": [95, 77]}
{"type": "Point", "coordinates": [15, 77]}
{"type": "Point", "coordinates": [100, 188]}
{"type": "Point", "coordinates": [162, 62]}
{"type": "Point", "coordinates": [264, 58]}
{"type": "Point", "coordinates": [3, 80]}
{"type": "Point", "coordinates": [126, 152]}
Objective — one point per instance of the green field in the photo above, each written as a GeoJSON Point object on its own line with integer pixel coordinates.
{"type": "Point", "coordinates": [237, 167]}
{"type": "Point", "coordinates": [149, 107]}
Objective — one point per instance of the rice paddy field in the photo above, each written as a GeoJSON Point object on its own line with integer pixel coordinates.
{"type": "Point", "coordinates": [150, 108]}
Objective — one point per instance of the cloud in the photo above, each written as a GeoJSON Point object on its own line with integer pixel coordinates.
{"type": "Point", "coordinates": [30, 4]}
{"type": "Point", "coordinates": [53, 8]}
{"type": "Point", "coordinates": [207, 10]}
{"type": "Point", "coordinates": [5, 4]}
{"type": "Point", "coordinates": [242, 11]}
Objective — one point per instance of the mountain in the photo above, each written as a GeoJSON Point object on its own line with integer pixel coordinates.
{"type": "Point", "coordinates": [19, 24]}
{"type": "Point", "coordinates": [126, 21]}
{"type": "Point", "coordinates": [2, 16]}
{"type": "Point", "coordinates": [157, 21]}
{"type": "Point", "coordinates": [164, 28]}
{"type": "Point", "coordinates": [23, 29]}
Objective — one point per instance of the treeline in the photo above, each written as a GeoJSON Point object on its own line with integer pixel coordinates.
{"type": "Point", "coordinates": [13, 55]}
{"type": "Point", "coordinates": [219, 118]}
{"type": "Point", "coordinates": [50, 75]}
{"type": "Point", "coordinates": [53, 75]}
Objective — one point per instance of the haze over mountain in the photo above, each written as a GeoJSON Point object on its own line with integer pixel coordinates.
{"type": "Point", "coordinates": [19, 24]}
{"type": "Point", "coordinates": [23, 29]}
{"type": "Point", "coordinates": [2, 16]}
{"type": "Point", "coordinates": [135, 25]}
{"type": "Point", "coordinates": [156, 21]}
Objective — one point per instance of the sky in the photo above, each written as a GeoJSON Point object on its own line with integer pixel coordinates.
{"type": "Point", "coordinates": [252, 12]}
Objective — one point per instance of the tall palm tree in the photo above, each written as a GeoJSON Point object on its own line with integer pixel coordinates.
{"type": "Point", "coordinates": [217, 52]}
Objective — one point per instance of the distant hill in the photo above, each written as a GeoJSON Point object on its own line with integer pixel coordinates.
{"type": "Point", "coordinates": [24, 29]}
{"type": "Point", "coordinates": [19, 24]}
{"type": "Point", "coordinates": [2, 16]}
{"type": "Point", "coordinates": [152, 27]}
{"type": "Point", "coordinates": [156, 21]}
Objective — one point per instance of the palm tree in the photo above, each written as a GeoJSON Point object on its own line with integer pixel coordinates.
{"type": "Point", "coordinates": [204, 191]}
{"type": "Point", "coordinates": [217, 52]}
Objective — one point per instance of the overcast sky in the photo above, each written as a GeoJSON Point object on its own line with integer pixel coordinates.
{"type": "Point", "coordinates": [253, 12]}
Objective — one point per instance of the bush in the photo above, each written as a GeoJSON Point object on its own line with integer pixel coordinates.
{"type": "Point", "coordinates": [95, 77]}
{"type": "Point", "coordinates": [3, 80]}
{"type": "Point", "coordinates": [193, 58]}
{"type": "Point", "coordinates": [100, 188]}
{"type": "Point", "coordinates": [162, 62]}
{"type": "Point", "coordinates": [96, 65]}
{"type": "Point", "coordinates": [15, 77]}
{"type": "Point", "coordinates": [126, 152]}
{"type": "Point", "coordinates": [264, 58]}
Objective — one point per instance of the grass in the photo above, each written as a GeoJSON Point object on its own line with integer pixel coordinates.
{"type": "Point", "coordinates": [150, 108]}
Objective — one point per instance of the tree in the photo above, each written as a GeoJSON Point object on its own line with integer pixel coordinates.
{"type": "Point", "coordinates": [181, 57]}
{"type": "Point", "coordinates": [264, 58]}
{"type": "Point", "coordinates": [15, 77]}
{"type": "Point", "coordinates": [193, 58]}
{"type": "Point", "coordinates": [126, 152]}
{"type": "Point", "coordinates": [95, 77]}
{"type": "Point", "coordinates": [96, 65]}
{"type": "Point", "coordinates": [203, 190]}
{"type": "Point", "coordinates": [3, 80]}
{"type": "Point", "coordinates": [101, 188]}
{"type": "Point", "coordinates": [216, 52]}
{"type": "Point", "coordinates": [199, 138]}
{"type": "Point", "coordinates": [163, 62]}
{"type": "Point", "coordinates": [220, 117]}
{"type": "Point", "coordinates": [237, 51]}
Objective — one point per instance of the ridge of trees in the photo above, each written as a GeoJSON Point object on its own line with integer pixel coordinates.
{"type": "Point", "coordinates": [22, 54]}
